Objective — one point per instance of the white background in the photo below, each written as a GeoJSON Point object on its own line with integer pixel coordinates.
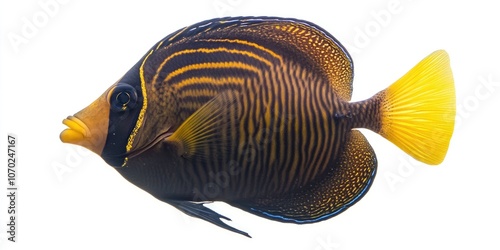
{"type": "Point", "coordinates": [70, 199]}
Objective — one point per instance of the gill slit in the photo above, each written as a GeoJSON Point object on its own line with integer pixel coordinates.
{"type": "Point", "coordinates": [159, 138]}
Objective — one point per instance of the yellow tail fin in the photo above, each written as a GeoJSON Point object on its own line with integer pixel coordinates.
{"type": "Point", "coordinates": [418, 110]}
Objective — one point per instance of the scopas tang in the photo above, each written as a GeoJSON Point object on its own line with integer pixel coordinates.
{"type": "Point", "coordinates": [256, 112]}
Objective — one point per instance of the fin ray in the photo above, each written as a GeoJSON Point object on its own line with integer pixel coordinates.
{"type": "Point", "coordinates": [418, 110]}
{"type": "Point", "coordinates": [202, 129]}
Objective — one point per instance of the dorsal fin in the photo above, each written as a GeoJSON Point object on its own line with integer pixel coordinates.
{"type": "Point", "coordinates": [294, 39]}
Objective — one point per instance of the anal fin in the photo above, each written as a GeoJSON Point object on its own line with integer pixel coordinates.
{"type": "Point", "coordinates": [342, 186]}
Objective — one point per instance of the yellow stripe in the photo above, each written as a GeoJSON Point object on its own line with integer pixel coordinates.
{"type": "Point", "coordinates": [178, 33]}
{"type": "Point", "coordinates": [249, 44]}
{"type": "Point", "coordinates": [143, 109]}
{"type": "Point", "coordinates": [159, 44]}
{"type": "Point", "coordinates": [212, 80]}
{"type": "Point", "coordinates": [205, 50]}
{"type": "Point", "coordinates": [212, 65]}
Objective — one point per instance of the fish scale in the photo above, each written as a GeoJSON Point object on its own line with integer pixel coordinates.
{"type": "Point", "coordinates": [256, 112]}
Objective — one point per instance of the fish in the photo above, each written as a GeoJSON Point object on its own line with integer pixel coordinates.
{"type": "Point", "coordinates": [256, 112]}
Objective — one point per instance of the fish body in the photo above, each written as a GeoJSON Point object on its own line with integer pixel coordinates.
{"type": "Point", "coordinates": [256, 112]}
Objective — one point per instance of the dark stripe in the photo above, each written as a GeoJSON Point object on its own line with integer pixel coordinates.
{"type": "Point", "coordinates": [281, 110]}
{"type": "Point", "coordinates": [320, 162]}
{"type": "Point", "coordinates": [285, 150]}
{"type": "Point", "coordinates": [301, 128]}
{"type": "Point", "coordinates": [290, 138]}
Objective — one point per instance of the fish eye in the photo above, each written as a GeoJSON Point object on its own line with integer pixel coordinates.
{"type": "Point", "coordinates": [122, 97]}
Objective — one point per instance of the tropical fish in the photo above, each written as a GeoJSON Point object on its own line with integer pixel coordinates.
{"type": "Point", "coordinates": [256, 112]}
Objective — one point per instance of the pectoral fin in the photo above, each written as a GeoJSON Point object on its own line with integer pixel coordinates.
{"type": "Point", "coordinates": [203, 128]}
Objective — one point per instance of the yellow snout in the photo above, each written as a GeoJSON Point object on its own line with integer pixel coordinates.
{"type": "Point", "coordinates": [89, 127]}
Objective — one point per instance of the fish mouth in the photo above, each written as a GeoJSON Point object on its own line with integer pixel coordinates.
{"type": "Point", "coordinates": [76, 132]}
{"type": "Point", "coordinates": [88, 127]}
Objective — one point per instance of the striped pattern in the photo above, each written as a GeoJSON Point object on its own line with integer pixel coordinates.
{"type": "Point", "coordinates": [279, 130]}
{"type": "Point", "coordinates": [338, 189]}
{"type": "Point", "coordinates": [285, 80]}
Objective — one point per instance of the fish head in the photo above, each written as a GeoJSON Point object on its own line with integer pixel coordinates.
{"type": "Point", "coordinates": [105, 126]}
